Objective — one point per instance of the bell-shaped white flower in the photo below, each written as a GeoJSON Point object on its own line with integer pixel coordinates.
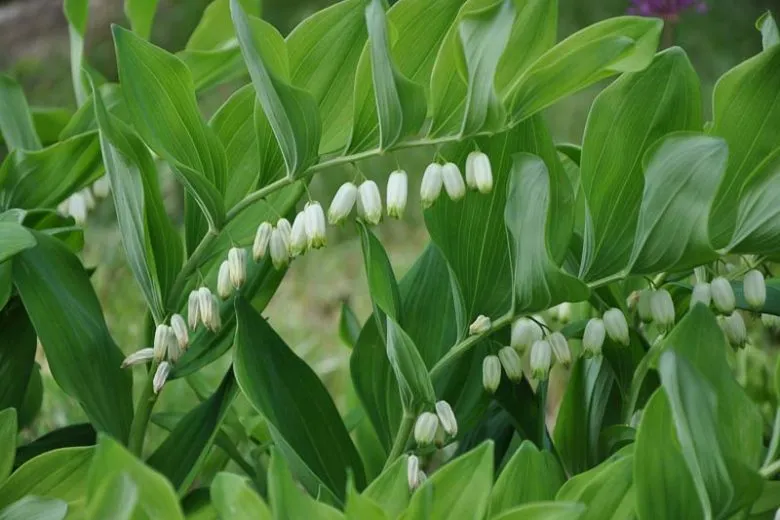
{"type": "Point", "coordinates": [524, 332]}
{"type": "Point", "coordinates": [173, 349]}
{"type": "Point", "coordinates": [616, 325]}
{"type": "Point", "coordinates": [560, 348]}
{"type": "Point", "coordinates": [430, 187]}
{"type": "Point", "coordinates": [161, 376]}
{"type": "Point", "coordinates": [193, 310]}
{"type": "Point", "coordinates": [722, 295]}
{"type": "Point", "coordinates": [180, 330]}
{"type": "Point", "coordinates": [593, 338]}
{"type": "Point", "coordinates": [541, 359]}
{"type": "Point", "coordinates": [279, 249]}
{"type": "Point", "coordinates": [425, 428]}
{"type": "Point", "coordinates": [101, 187]}
{"type": "Point", "coordinates": [453, 181]}
{"type": "Point", "coordinates": [563, 312]}
{"type": "Point", "coordinates": [237, 261]}
{"type": "Point", "coordinates": [481, 324]}
{"type": "Point", "coordinates": [139, 357]}
{"type": "Point", "coordinates": [662, 308]}
{"type": "Point", "coordinates": [315, 225]}
{"type": "Point", "coordinates": [412, 471]}
{"type": "Point", "coordinates": [163, 334]}
{"type": "Point", "coordinates": [262, 239]}
{"type": "Point", "coordinates": [754, 289]}
{"type": "Point", "coordinates": [342, 203]}
{"type": "Point", "coordinates": [644, 307]}
{"type": "Point", "coordinates": [215, 321]}
{"type": "Point", "coordinates": [77, 208]}
{"type": "Point", "coordinates": [734, 327]}
{"type": "Point", "coordinates": [369, 202]}
{"type": "Point", "coordinates": [770, 321]}
{"type": "Point", "coordinates": [285, 229]}
{"type": "Point", "coordinates": [299, 240]}
{"type": "Point", "coordinates": [701, 294]}
{"type": "Point", "coordinates": [447, 418]}
{"type": "Point", "coordinates": [512, 364]}
{"type": "Point", "coordinates": [205, 299]}
{"type": "Point", "coordinates": [224, 287]}
{"type": "Point", "coordinates": [89, 200]}
{"type": "Point", "coordinates": [397, 193]}
{"type": "Point", "coordinates": [479, 174]}
{"type": "Point", "coordinates": [491, 373]}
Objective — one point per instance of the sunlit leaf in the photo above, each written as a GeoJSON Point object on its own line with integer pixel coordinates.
{"type": "Point", "coordinates": [529, 476]}
{"type": "Point", "coordinates": [234, 498]}
{"type": "Point", "coordinates": [77, 14]}
{"type": "Point", "coordinates": [34, 508]}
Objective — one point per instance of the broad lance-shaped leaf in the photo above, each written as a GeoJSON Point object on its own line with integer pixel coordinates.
{"type": "Point", "coordinates": [622, 44]}
{"type": "Point", "coordinates": [160, 98]}
{"type": "Point", "coordinates": [17, 355]}
{"type": "Point", "coordinates": [624, 121]}
{"type": "Point", "coordinates": [65, 311]}
{"type": "Point", "coordinates": [538, 282]}
{"type": "Point", "coordinates": [301, 415]}
{"type": "Point", "coordinates": [758, 216]}
{"type": "Point", "coordinates": [469, 104]}
{"type": "Point", "coordinates": [547, 510]}
{"type": "Point", "coordinates": [151, 243]}
{"type": "Point", "coordinates": [399, 103]}
{"type": "Point", "coordinates": [141, 16]}
{"type": "Point", "coordinates": [8, 444]}
{"type": "Point", "coordinates": [414, 382]}
{"type": "Point", "coordinates": [35, 507]}
{"type": "Point", "coordinates": [16, 122]}
{"type": "Point", "coordinates": [115, 497]}
{"type": "Point", "coordinates": [746, 112]}
{"type": "Point", "coordinates": [291, 112]}
{"type": "Point", "coordinates": [233, 496]}
{"type": "Point", "coordinates": [381, 281]}
{"type": "Point", "coordinates": [14, 238]}
{"type": "Point", "coordinates": [77, 14]}
{"type": "Point", "coordinates": [682, 173]}
{"type": "Point", "coordinates": [770, 34]}
{"type": "Point", "coordinates": [286, 497]}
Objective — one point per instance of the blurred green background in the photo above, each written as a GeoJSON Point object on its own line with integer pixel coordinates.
{"type": "Point", "coordinates": [34, 49]}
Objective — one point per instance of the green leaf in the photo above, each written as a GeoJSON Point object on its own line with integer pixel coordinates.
{"type": "Point", "coordinates": [301, 415]}
{"type": "Point", "coordinates": [141, 16]}
{"type": "Point", "coordinates": [215, 28]}
{"type": "Point", "coordinates": [381, 281]}
{"type": "Point", "coordinates": [746, 113]}
{"type": "Point", "coordinates": [77, 14]}
{"type": "Point", "coordinates": [49, 122]}
{"type": "Point", "coordinates": [538, 282]}
{"type": "Point", "coordinates": [468, 105]}
{"type": "Point", "coordinates": [529, 476]}
{"type": "Point", "coordinates": [13, 239]}
{"type": "Point", "coordinates": [349, 326]}
{"type": "Point", "coordinates": [324, 51]}
{"type": "Point", "coordinates": [7, 442]}
{"type": "Point", "coordinates": [391, 489]}
{"type": "Point", "coordinates": [151, 243]}
{"type": "Point", "coordinates": [613, 496]}
{"type": "Point", "coordinates": [360, 507]}
{"type": "Point", "coordinates": [544, 511]}
{"type": "Point", "coordinates": [291, 112]}
{"type": "Point", "coordinates": [622, 44]}
{"type": "Point", "coordinates": [160, 99]}
{"type": "Point", "coordinates": [16, 122]}
{"type": "Point", "coordinates": [770, 34]}
{"type": "Point", "coordinates": [34, 508]}
{"type": "Point", "coordinates": [287, 499]}
{"type": "Point", "coordinates": [45, 177]}
{"type": "Point", "coordinates": [663, 483]}
{"type": "Point", "coordinates": [463, 485]}
{"type": "Point", "coordinates": [414, 382]}
{"type": "Point", "coordinates": [625, 120]}
{"type": "Point", "coordinates": [682, 173]}
{"type": "Point", "coordinates": [84, 119]}
{"type": "Point", "coordinates": [156, 497]}
{"type": "Point", "coordinates": [33, 399]}
{"type": "Point", "coordinates": [71, 436]}
{"type": "Point", "coordinates": [234, 498]}
{"type": "Point", "coordinates": [399, 103]}
{"type": "Point", "coordinates": [57, 474]}
{"type": "Point", "coordinates": [65, 311]}
{"type": "Point", "coordinates": [183, 452]}
{"type": "Point", "coordinates": [114, 498]}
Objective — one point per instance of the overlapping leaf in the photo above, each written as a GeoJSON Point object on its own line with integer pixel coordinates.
{"type": "Point", "coordinates": [234, 498]}
{"type": "Point", "coordinates": [77, 14]}
{"type": "Point", "coordinates": [16, 122]}
{"type": "Point", "coordinates": [529, 476]}
{"type": "Point", "coordinates": [17, 355]}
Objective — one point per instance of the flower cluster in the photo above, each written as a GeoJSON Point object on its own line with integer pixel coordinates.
{"type": "Point", "coordinates": [79, 204]}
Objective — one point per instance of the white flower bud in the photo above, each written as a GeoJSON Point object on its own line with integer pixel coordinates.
{"type": "Point", "coordinates": [770, 321]}
{"type": "Point", "coordinates": [173, 349]}
{"type": "Point", "coordinates": [616, 325]}
{"type": "Point", "coordinates": [102, 187]}
{"type": "Point", "coordinates": [512, 364]}
{"type": "Point", "coordinates": [560, 348]}
{"type": "Point", "coordinates": [193, 310]}
{"type": "Point", "coordinates": [262, 238]}
{"type": "Point", "coordinates": [412, 471]}
{"type": "Point", "coordinates": [285, 229]}
{"type": "Point", "coordinates": [180, 330]}
{"type": "Point", "coordinates": [491, 373]}
{"type": "Point", "coordinates": [643, 305]}
{"type": "Point", "coordinates": [700, 274]}
{"type": "Point", "coordinates": [479, 174]}
{"type": "Point", "coordinates": [431, 184]}
{"type": "Point", "coordinates": [163, 370]}
{"type": "Point", "coordinates": [593, 338]}
{"type": "Point", "coordinates": [447, 418]}
{"type": "Point", "coordinates": [216, 318]}
{"type": "Point", "coordinates": [370, 202]}
{"type": "Point", "coordinates": [342, 203]}
{"type": "Point", "coordinates": [632, 300]}
{"type": "Point", "coordinates": [662, 308]}
{"type": "Point", "coordinates": [701, 294]}
{"type": "Point", "coordinates": [162, 335]}
{"type": "Point", "coordinates": [298, 238]}
{"type": "Point", "coordinates": [397, 193]}
{"type": "Point", "coordinates": [77, 208]}
{"type": "Point", "coordinates": [237, 262]}
{"type": "Point", "coordinates": [754, 289]}
{"type": "Point", "coordinates": [722, 295]}
{"type": "Point", "coordinates": [564, 312]}
{"type": "Point", "coordinates": [206, 306]}
{"type": "Point", "coordinates": [280, 253]}
{"type": "Point", "coordinates": [480, 325]}
{"type": "Point", "coordinates": [315, 225]}
{"type": "Point", "coordinates": [139, 357]}
{"type": "Point", "coordinates": [734, 327]}
{"type": "Point", "coordinates": [524, 332]}
{"type": "Point", "coordinates": [425, 428]}
{"type": "Point", "coordinates": [89, 200]}
{"type": "Point", "coordinates": [541, 359]}
{"type": "Point", "coordinates": [453, 181]}
{"type": "Point", "coordinates": [224, 288]}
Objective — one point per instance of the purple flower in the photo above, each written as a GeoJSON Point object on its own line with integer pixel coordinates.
{"type": "Point", "coordinates": [666, 9]}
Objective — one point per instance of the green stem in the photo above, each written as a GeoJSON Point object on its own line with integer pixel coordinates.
{"type": "Point", "coordinates": [771, 470]}
{"type": "Point", "coordinates": [606, 280]}
{"type": "Point", "coordinates": [143, 411]}
{"type": "Point", "coordinates": [541, 393]}
{"type": "Point", "coordinates": [404, 430]}
{"type": "Point", "coordinates": [190, 266]}
{"type": "Point", "coordinates": [774, 442]}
